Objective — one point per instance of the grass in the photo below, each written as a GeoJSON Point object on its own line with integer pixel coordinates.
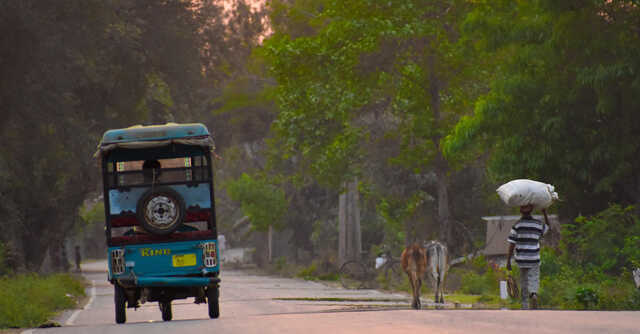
{"type": "Point", "coordinates": [340, 299]}
{"type": "Point", "coordinates": [31, 300]}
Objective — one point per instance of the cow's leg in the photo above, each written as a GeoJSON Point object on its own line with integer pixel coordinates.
{"type": "Point", "coordinates": [413, 290]}
{"type": "Point", "coordinates": [417, 297]}
{"type": "Point", "coordinates": [435, 289]}
{"type": "Point", "coordinates": [441, 289]}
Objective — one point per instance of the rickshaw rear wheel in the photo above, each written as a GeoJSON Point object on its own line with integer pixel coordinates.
{"type": "Point", "coordinates": [120, 300]}
{"type": "Point", "coordinates": [213, 295]}
{"type": "Point", "coordinates": [165, 308]}
{"type": "Point", "coordinates": [161, 210]}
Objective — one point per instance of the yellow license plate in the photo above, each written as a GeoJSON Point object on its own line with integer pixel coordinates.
{"type": "Point", "coordinates": [184, 260]}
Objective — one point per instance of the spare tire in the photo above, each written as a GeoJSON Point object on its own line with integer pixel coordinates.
{"type": "Point", "coordinates": [160, 210]}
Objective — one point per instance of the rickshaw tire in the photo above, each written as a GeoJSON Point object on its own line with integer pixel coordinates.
{"type": "Point", "coordinates": [165, 308]}
{"type": "Point", "coordinates": [353, 275]}
{"type": "Point", "coordinates": [120, 300]}
{"type": "Point", "coordinates": [150, 194]}
{"type": "Point", "coordinates": [213, 297]}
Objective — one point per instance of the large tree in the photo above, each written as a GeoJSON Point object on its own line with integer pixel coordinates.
{"type": "Point", "coordinates": [369, 70]}
{"type": "Point", "coordinates": [563, 106]}
{"type": "Point", "coordinates": [73, 69]}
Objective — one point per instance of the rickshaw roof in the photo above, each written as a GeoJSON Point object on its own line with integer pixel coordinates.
{"type": "Point", "coordinates": [140, 133]}
{"type": "Point", "coordinates": [153, 136]}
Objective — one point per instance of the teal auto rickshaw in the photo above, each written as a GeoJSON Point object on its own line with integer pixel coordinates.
{"type": "Point", "coordinates": [160, 216]}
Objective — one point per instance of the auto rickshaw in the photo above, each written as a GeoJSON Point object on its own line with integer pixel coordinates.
{"type": "Point", "coordinates": [160, 216]}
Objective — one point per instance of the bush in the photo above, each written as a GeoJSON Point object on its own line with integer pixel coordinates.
{"type": "Point", "coordinates": [480, 284]}
{"type": "Point", "coordinates": [587, 297]}
{"type": "Point", "coordinates": [607, 242]}
{"type": "Point", "coordinates": [30, 300]}
{"type": "Point", "coordinates": [592, 268]}
{"type": "Point", "coordinates": [308, 273]}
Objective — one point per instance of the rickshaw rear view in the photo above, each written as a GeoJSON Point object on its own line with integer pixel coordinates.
{"type": "Point", "coordinates": [160, 216]}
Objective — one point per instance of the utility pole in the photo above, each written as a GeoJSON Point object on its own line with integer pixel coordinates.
{"type": "Point", "coordinates": [349, 231]}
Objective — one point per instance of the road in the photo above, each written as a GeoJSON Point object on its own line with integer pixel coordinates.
{"type": "Point", "coordinates": [263, 304]}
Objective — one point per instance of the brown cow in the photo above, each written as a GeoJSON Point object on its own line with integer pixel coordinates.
{"type": "Point", "coordinates": [414, 263]}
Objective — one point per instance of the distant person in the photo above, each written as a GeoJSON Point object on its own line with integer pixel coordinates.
{"type": "Point", "coordinates": [78, 258]}
{"type": "Point", "coordinates": [222, 242]}
{"type": "Point", "coordinates": [524, 237]}
{"type": "Point", "coordinates": [151, 171]}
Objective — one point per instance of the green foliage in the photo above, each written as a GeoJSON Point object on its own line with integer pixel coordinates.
{"type": "Point", "coordinates": [480, 284]}
{"type": "Point", "coordinates": [75, 69]}
{"type": "Point", "coordinates": [591, 270]}
{"type": "Point", "coordinates": [586, 296]}
{"type": "Point", "coordinates": [562, 104]}
{"type": "Point", "coordinates": [606, 242]}
{"type": "Point", "coordinates": [359, 57]}
{"type": "Point", "coordinates": [29, 300]}
{"type": "Point", "coordinates": [308, 273]}
{"type": "Point", "coordinates": [264, 203]}
{"type": "Point", "coordinates": [94, 214]}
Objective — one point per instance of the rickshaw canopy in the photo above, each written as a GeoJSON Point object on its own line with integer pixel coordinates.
{"type": "Point", "coordinates": [140, 137]}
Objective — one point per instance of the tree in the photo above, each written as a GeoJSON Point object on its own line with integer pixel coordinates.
{"type": "Point", "coordinates": [562, 106]}
{"type": "Point", "coordinates": [74, 69]}
{"type": "Point", "coordinates": [366, 63]}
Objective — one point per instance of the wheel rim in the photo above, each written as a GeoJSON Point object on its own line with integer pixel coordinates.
{"type": "Point", "coordinates": [394, 275]}
{"type": "Point", "coordinates": [161, 212]}
{"type": "Point", "coordinates": [352, 275]}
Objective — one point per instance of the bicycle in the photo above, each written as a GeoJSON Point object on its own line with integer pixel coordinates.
{"type": "Point", "coordinates": [361, 274]}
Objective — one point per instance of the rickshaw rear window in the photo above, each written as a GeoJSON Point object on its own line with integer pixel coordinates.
{"type": "Point", "coordinates": [171, 170]}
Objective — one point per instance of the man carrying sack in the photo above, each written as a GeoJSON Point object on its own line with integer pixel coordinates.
{"type": "Point", "coordinates": [525, 239]}
{"type": "Point", "coordinates": [525, 234]}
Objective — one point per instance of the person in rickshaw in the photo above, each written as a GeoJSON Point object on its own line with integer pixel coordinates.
{"type": "Point", "coordinates": [151, 170]}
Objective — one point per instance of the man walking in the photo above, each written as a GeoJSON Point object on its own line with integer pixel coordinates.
{"type": "Point", "coordinates": [78, 258]}
{"type": "Point", "coordinates": [525, 239]}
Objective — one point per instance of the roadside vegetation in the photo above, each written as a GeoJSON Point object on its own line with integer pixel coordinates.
{"type": "Point", "coordinates": [29, 300]}
{"type": "Point", "coordinates": [589, 270]}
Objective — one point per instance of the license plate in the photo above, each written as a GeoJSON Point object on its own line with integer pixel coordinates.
{"type": "Point", "coordinates": [184, 260]}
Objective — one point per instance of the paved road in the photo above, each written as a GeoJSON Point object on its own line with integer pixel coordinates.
{"type": "Point", "coordinates": [260, 304]}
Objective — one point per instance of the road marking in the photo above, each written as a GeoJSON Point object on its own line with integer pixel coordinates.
{"type": "Point", "coordinates": [75, 314]}
{"type": "Point", "coordinates": [28, 331]}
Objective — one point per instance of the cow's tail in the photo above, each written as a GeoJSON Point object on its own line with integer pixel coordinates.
{"type": "Point", "coordinates": [416, 256]}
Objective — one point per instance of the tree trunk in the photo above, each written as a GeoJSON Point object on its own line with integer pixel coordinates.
{"type": "Point", "coordinates": [355, 217]}
{"type": "Point", "coordinates": [441, 165]}
{"type": "Point", "coordinates": [270, 244]}
{"type": "Point", "coordinates": [444, 215]}
{"type": "Point", "coordinates": [342, 229]}
{"type": "Point", "coordinates": [34, 251]}
{"type": "Point", "coordinates": [349, 231]}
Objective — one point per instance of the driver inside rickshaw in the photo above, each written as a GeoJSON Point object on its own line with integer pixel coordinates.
{"type": "Point", "coordinates": [151, 170]}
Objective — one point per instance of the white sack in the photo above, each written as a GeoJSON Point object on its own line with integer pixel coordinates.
{"type": "Point", "coordinates": [524, 192]}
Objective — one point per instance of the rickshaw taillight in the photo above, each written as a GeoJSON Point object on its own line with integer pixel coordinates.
{"type": "Point", "coordinates": [117, 261]}
{"type": "Point", "coordinates": [209, 254]}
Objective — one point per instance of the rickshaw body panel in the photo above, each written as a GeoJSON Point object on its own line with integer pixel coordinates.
{"type": "Point", "coordinates": [161, 260]}
{"type": "Point", "coordinates": [195, 196]}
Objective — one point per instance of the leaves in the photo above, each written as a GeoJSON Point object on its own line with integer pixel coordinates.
{"type": "Point", "coordinates": [560, 107]}
{"type": "Point", "coordinates": [262, 202]}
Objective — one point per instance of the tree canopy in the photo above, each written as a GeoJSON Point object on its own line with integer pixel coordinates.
{"type": "Point", "coordinates": [562, 105]}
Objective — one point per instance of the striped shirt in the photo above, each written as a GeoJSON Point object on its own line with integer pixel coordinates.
{"type": "Point", "coordinates": [526, 234]}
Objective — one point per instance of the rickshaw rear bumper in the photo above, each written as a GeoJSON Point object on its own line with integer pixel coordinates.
{"type": "Point", "coordinates": [169, 281]}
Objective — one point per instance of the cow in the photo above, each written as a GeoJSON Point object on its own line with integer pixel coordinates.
{"type": "Point", "coordinates": [437, 260]}
{"type": "Point", "coordinates": [414, 263]}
